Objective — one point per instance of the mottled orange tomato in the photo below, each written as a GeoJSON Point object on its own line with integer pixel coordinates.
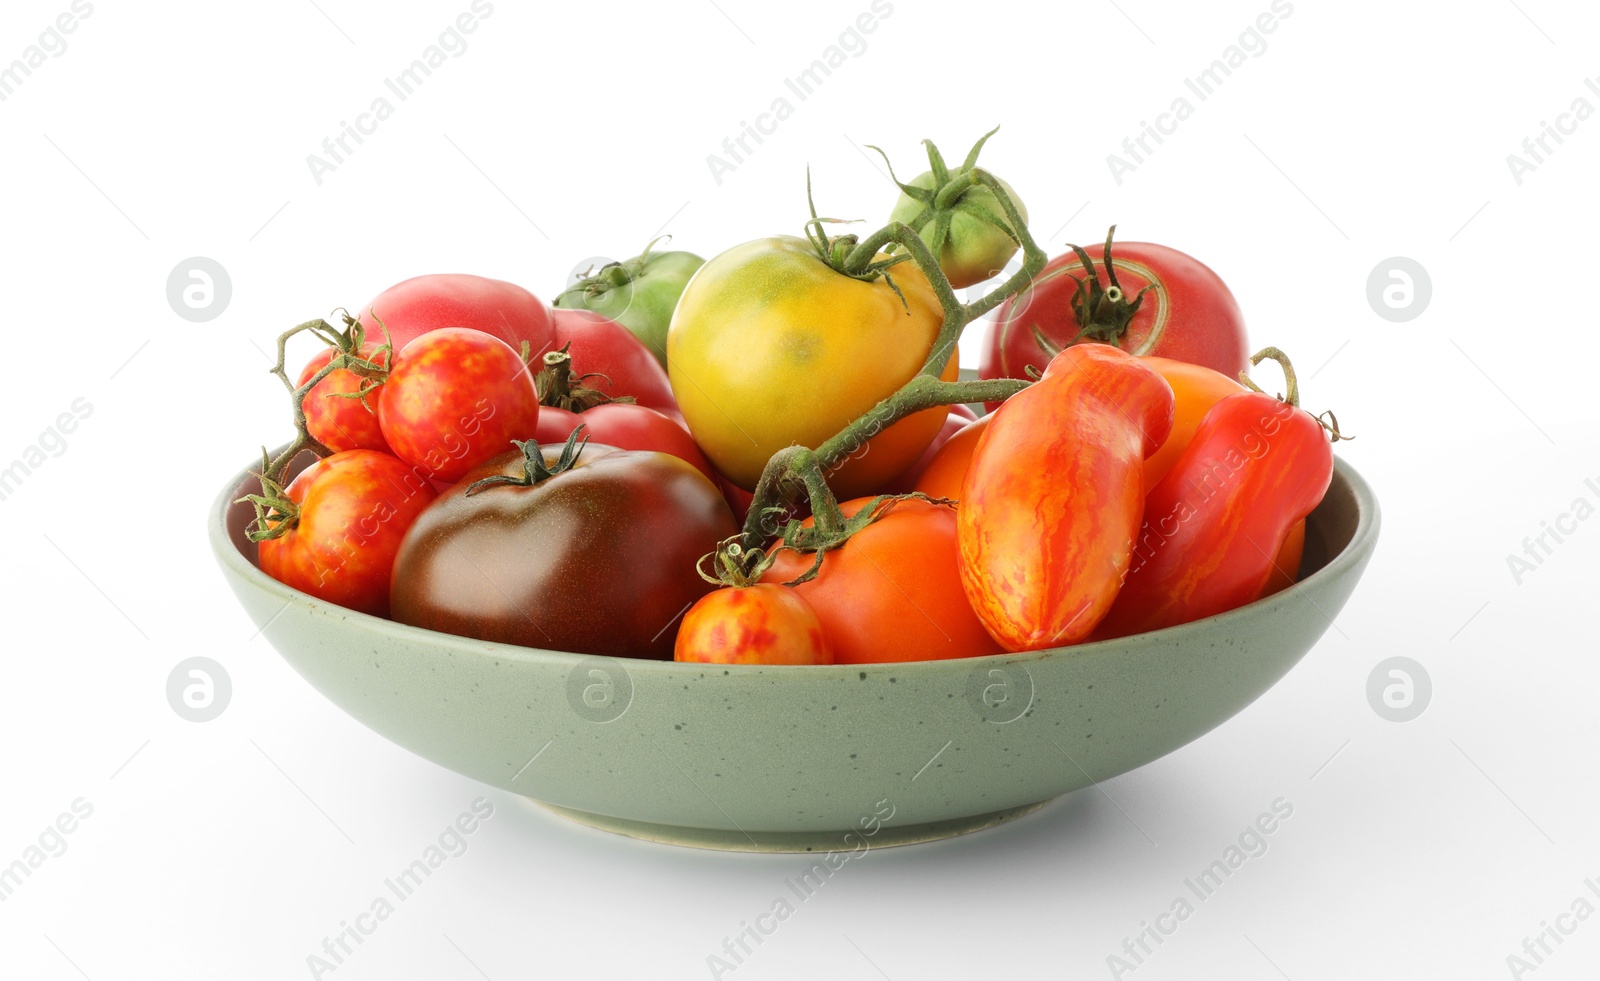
{"type": "Point", "coordinates": [759, 624]}
{"type": "Point", "coordinates": [892, 593]}
{"type": "Point", "coordinates": [338, 421]}
{"type": "Point", "coordinates": [352, 511]}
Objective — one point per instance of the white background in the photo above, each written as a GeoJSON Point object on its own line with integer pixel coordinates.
{"type": "Point", "coordinates": [1364, 130]}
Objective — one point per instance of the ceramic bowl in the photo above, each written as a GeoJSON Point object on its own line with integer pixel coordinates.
{"type": "Point", "coordinates": [801, 758]}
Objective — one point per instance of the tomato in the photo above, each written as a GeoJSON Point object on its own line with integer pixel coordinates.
{"type": "Point", "coordinates": [1190, 315]}
{"type": "Point", "coordinates": [1214, 524]}
{"type": "Point", "coordinates": [627, 427]}
{"type": "Point", "coordinates": [1195, 390]}
{"type": "Point", "coordinates": [770, 347]}
{"type": "Point", "coordinates": [892, 592]}
{"type": "Point", "coordinates": [960, 417]}
{"type": "Point", "coordinates": [352, 510]}
{"type": "Point", "coordinates": [598, 557]}
{"type": "Point", "coordinates": [456, 397]}
{"type": "Point", "coordinates": [339, 422]}
{"type": "Point", "coordinates": [1053, 498]}
{"type": "Point", "coordinates": [639, 294]}
{"type": "Point", "coordinates": [616, 363]}
{"type": "Point", "coordinates": [759, 624]}
{"type": "Point", "coordinates": [423, 303]}
{"type": "Point", "coordinates": [967, 234]}
{"type": "Point", "coordinates": [948, 468]}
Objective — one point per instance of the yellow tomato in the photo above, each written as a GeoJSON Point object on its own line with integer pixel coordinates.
{"type": "Point", "coordinates": [770, 347]}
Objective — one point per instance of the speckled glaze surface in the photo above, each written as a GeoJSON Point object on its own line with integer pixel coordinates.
{"type": "Point", "coordinates": [797, 758]}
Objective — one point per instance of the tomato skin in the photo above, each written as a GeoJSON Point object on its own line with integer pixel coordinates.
{"type": "Point", "coordinates": [639, 294]}
{"type": "Point", "coordinates": [412, 308]}
{"type": "Point", "coordinates": [960, 417]}
{"type": "Point", "coordinates": [760, 624]}
{"type": "Point", "coordinates": [1192, 315]}
{"type": "Point", "coordinates": [947, 470]}
{"type": "Point", "coordinates": [354, 509]}
{"type": "Point", "coordinates": [1214, 524]}
{"type": "Point", "coordinates": [1195, 390]}
{"type": "Point", "coordinates": [456, 397]}
{"type": "Point", "coordinates": [1052, 500]}
{"type": "Point", "coordinates": [627, 427]}
{"type": "Point", "coordinates": [892, 592]}
{"type": "Point", "coordinates": [598, 559]}
{"type": "Point", "coordinates": [343, 423]}
{"type": "Point", "coordinates": [770, 347]}
{"type": "Point", "coordinates": [603, 347]}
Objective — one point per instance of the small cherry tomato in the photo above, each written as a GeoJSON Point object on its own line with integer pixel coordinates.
{"type": "Point", "coordinates": [351, 511]}
{"type": "Point", "coordinates": [456, 398]}
{"type": "Point", "coordinates": [338, 421]}
{"type": "Point", "coordinates": [759, 624]}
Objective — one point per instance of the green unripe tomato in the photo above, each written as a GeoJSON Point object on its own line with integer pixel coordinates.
{"type": "Point", "coordinates": [974, 249]}
{"type": "Point", "coordinates": [638, 293]}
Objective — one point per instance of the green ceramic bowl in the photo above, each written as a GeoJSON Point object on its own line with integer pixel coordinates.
{"type": "Point", "coordinates": [802, 758]}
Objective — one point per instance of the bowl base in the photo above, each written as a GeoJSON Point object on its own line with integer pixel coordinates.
{"type": "Point", "coordinates": [845, 840]}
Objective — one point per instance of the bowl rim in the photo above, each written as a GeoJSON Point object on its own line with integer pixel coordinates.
{"type": "Point", "coordinates": [235, 563]}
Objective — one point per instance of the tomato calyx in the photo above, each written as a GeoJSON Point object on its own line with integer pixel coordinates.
{"type": "Point", "coordinates": [1103, 312]}
{"type": "Point", "coordinates": [1291, 395]}
{"type": "Point", "coordinates": [560, 387]}
{"type": "Point", "coordinates": [276, 514]}
{"type": "Point", "coordinates": [534, 469]}
{"type": "Point", "coordinates": [843, 254]}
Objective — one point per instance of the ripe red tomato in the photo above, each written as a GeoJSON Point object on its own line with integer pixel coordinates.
{"type": "Point", "coordinates": [627, 427]}
{"type": "Point", "coordinates": [893, 592]}
{"type": "Point", "coordinates": [1190, 315]}
{"type": "Point", "coordinates": [760, 624]}
{"type": "Point", "coordinates": [341, 423]}
{"type": "Point", "coordinates": [598, 558]}
{"type": "Point", "coordinates": [423, 303]}
{"type": "Point", "coordinates": [618, 361]}
{"type": "Point", "coordinates": [353, 510]}
{"type": "Point", "coordinates": [455, 398]}
{"type": "Point", "coordinates": [945, 472]}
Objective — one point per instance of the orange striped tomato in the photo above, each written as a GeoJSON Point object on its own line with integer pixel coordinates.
{"type": "Point", "coordinates": [760, 624]}
{"type": "Point", "coordinates": [1052, 501]}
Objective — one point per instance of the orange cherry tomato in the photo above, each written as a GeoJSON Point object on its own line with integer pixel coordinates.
{"type": "Point", "coordinates": [892, 592]}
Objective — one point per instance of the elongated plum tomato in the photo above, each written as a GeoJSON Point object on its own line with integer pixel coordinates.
{"type": "Point", "coordinates": [770, 347]}
{"type": "Point", "coordinates": [892, 592]}
{"type": "Point", "coordinates": [353, 509]}
{"type": "Point", "coordinates": [338, 421]}
{"type": "Point", "coordinates": [1051, 503]}
{"type": "Point", "coordinates": [597, 558]}
{"type": "Point", "coordinates": [455, 398]}
{"type": "Point", "coordinates": [423, 303]}
{"type": "Point", "coordinates": [1190, 315]}
{"type": "Point", "coordinates": [760, 624]}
